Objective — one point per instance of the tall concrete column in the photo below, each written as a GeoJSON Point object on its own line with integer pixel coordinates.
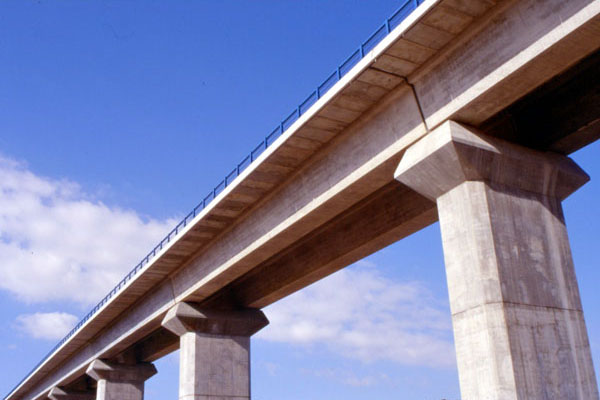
{"type": "Point", "coordinates": [214, 350]}
{"type": "Point", "coordinates": [517, 317]}
{"type": "Point", "coordinates": [120, 381]}
{"type": "Point", "coordinates": [59, 393]}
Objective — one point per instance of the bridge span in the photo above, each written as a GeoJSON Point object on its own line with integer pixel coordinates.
{"type": "Point", "coordinates": [462, 111]}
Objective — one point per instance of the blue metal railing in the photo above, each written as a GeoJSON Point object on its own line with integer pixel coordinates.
{"type": "Point", "coordinates": [390, 23]}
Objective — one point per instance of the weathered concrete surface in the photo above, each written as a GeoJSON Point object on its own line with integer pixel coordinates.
{"type": "Point", "coordinates": [561, 116]}
{"type": "Point", "coordinates": [518, 46]}
{"type": "Point", "coordinates": [215, 350]}
{"type": "Point", "coordinates": [517, 316]}
{"type": "Point", "coordinates": [58, 393]}
{"type": "Point", "coordinates": [118, 381]}
{"type": "Point", "coordinates": [372, 224]}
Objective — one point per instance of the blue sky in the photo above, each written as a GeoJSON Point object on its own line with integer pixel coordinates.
{"type": "Point", "coordinates": [116, 118]}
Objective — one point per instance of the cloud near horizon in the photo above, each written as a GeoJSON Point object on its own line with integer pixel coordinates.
{"type": "Point", "coordinates": [58, 243]}
{"type": "Point", "coordinates": [360, 314]}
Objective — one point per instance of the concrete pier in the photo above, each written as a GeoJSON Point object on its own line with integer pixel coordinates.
{"type": "Point", "coordinates": [517, 316]}
{"type": "Point", "coordinates": [119, 381]}
{"type": "Point", "coordinates": [215, 350]}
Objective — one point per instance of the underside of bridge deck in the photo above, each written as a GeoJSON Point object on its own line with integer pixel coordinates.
{"type": "Point", "coordinates": [562, 116]}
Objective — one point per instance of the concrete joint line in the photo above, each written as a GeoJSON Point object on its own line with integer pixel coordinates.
{"type": "Point", "coordinates": [412, 87]}
{"type": "Point", "coordinates": [530, 306]}
{"type": "Point", "coordinates": [305, 210]}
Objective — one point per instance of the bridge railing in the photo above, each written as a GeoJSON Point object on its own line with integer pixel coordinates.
{"type": "Point", "coordinates": [407, 7]}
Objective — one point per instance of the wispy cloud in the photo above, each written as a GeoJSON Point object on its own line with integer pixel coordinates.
{"type": "Point", "coordinates": [59, 243]}
{"type": "Point", "coordinates": [271, 367]}
{"type": "Point", "coordinates": [346, 377]}
{"type": "Point", "coordinates": [51, 326]}
{"type": "Point", "coordinates": [359, 313]}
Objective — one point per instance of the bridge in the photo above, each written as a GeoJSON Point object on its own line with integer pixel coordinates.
{"type": "Point", "coordinates": [462, 111]}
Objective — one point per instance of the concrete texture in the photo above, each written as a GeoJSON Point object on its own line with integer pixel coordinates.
{"type": "Point", "coordinates": [58, 393]}
{"type": "Point", "coordinates": [517, 316]}
{"type": "Point", "coordinates": [510, 51]}
{"type": "Point", "coordinates": [215, 350]}
{"type": "Point", "coordinates": [118, 381]}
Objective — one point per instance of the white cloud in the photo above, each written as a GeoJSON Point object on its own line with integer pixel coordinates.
{"type": "Point", "coordinates": [271, 368]}
{"type": "Point", "coordinates": [346, 377]}
{"type": "Point", "coordinates": [52, 326]}
{"type": "Point", "coordinates": [359, 313]}
{"type": "Point", "coordinates": [59, 243]}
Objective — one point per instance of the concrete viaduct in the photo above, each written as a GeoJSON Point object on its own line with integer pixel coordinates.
{"type": "Point", "coordinates": [464, 112]}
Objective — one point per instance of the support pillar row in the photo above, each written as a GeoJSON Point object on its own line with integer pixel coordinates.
{"type": "Point", "coordinates": [120, 381]}
{"type": "Point", "coordinates": [517, 317]}
{"type": "Point", "coordinates": [214, 350]}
